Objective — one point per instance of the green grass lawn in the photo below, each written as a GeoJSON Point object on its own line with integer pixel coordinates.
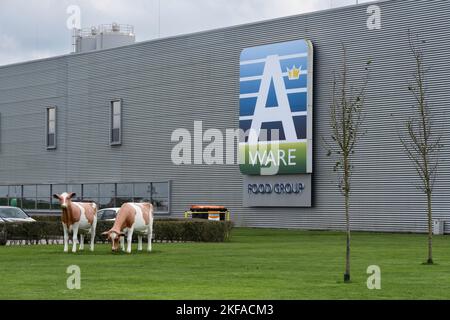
{"type": "Point", "coordinates": [256, 264]}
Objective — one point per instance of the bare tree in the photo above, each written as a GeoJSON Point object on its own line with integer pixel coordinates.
{"type": "Point", "coordinates": [346, 118]}
{"type": "Point", "coordinates": [421, 143]}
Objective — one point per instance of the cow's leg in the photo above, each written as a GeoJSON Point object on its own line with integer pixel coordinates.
{"type": "Point", "coordinates": [81, 241]}
{"type": "Point", "coordinates": [150, 236]}
{"type": "Point", "coordinates": [93, 228]}
{"type": "Point", "coordinates": [75, 236]}
{"type": "Point", "coordinates": [129, 239]}
{"type": "Point", "coordinates": [122, 243]}
{"type": "Point", "coordinates": [66, 238]}
{"type": "Point", "coordinates": [139, 242]}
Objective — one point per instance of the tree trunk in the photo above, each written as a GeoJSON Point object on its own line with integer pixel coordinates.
{"type": "Point", "coordinates": [347, 220]}
{"type": "Point", "coordinates": [430, 229]}
{"type": "Point", "coordinates": [347, 253]}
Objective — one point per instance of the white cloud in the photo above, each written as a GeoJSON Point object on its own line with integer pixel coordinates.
{"type": "Point", "coordinates": [7, 42]}
{"type": "Point", "coordinates": [32, 29]}
{"type": "Point", "coordinates": [20, 56]}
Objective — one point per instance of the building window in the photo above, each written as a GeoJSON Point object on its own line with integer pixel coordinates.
{"type": "Point", "coordinates": [0, 131]}
{"type": "Point", "coordinates": [106, 195]}
{"type": "Point", "coordinates": [15, 196]}
{"type": "Point", "coordinates": [124, 193]}
{"type": "Point", "coordinates": [43, 198]}
{"type": "Point", "coordinates": [160, 197]}
{"type": "Point", "coordinates": [91, 192]}
{"type": "Point", "coordinates": [4, 195]}
{"type": "Point", "coordinates": [116, 123]}
{"type": "Point", "coordinates": [142, 192]}
{"type": "Point", "coordinates": [51, 128]}
{"type": "Point", "coordinates": [29, 197]}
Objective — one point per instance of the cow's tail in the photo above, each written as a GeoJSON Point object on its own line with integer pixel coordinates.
{"type": "Point", "coordinates": [150, 209]}
{"type": "Point", "coordinates": [94, 206]}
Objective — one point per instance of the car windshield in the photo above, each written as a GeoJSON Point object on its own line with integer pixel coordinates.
{"type": "Point", "coordinates": [108, 214]}
{"type": "Point", "coordinates": [12, 213]}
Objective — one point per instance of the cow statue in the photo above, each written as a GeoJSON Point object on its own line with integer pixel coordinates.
{"type": "Point", "coordinates": [132, 217]}
{"type": "Point", "coordinates": [77, 217]}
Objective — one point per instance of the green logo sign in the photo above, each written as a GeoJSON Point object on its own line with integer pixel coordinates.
{"type": "Point", "coordinates": [276, 108]}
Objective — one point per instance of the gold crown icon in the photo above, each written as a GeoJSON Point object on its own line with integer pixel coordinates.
{"type": "Point", "coordinates": [294, 73]}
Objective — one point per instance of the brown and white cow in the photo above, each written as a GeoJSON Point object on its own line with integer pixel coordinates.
{"type": "Point", "coordinates": [77, 217]}
{"type": "Point", "coordinates": [132, 217]}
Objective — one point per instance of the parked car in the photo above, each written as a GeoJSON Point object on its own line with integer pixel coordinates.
{"type": "Point", "coordinates": [13, 214]}
{"type": "Point", "coordinates": [108, 214]}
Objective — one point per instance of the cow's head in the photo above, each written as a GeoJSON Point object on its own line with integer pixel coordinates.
{"type": "Point", "coordinates": [65, 199]}
{"type": "Point", "coordinates": [114, 236]}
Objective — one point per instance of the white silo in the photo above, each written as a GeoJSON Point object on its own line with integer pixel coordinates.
{"type": "Point", "coordinates": [86, 40]}
{"type": "Point", "coordinates": [103, 37]}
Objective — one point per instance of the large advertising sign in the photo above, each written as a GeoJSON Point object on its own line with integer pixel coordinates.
{"type": "Point", "coordinates": [276, 83]}
{"type": "Point", "coordinates": [276, 108]}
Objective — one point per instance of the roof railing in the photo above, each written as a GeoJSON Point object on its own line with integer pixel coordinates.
{"type": "Point", "coordinates": [104, 28]}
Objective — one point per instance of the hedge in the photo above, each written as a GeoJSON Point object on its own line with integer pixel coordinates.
{"type": "Point", "coordinates": [167, 230]}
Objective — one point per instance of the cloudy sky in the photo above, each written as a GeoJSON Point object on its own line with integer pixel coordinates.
{"type": "Point", "coordinates": [33, 29]}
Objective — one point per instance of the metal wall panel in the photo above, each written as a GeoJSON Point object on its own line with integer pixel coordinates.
{"type": "Point", "coordinates": [170, 83]}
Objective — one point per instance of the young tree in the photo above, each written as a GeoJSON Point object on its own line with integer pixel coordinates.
{"type": "Point", "coordinates": [346, 118]}
{"type": "Point", "coordinates": [421, 143]}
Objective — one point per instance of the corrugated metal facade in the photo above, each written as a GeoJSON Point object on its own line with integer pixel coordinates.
{"type": "Point", "coordinates": [170, 83]}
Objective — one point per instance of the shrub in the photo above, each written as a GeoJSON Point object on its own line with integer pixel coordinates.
{"type": "Point", "coordinates": [194, 230]}
{"type": "Point", "coordinates": [102, 226]}
{"type": "Point", "coordinates": [33, 232]}
{"type": "Point", "coordinates": [52, 218]}
{"type": "Point", "coordinates": [3, 238]}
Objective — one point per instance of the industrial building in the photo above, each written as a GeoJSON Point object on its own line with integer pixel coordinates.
{"type": "Point", "coordinates": [99, 122]}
